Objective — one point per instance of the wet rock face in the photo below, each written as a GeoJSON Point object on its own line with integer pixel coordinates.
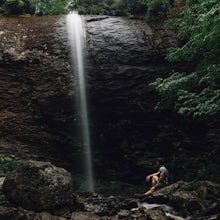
{"type": "Point", "coordinates": [38, 116]}
{"type": "Point", "coordinates": [119, 41]}
{"type": "Point", "coordinates": [124, 56]}
{"type": "Point", "coordinates": [37, 111]}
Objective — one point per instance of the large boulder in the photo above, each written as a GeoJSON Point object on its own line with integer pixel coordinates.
{"type": "Point", "coordinates": [199, 198]}
{"type": "Point", "coordinates": [40, 186]}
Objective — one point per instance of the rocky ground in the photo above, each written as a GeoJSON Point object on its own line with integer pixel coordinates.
{"type": "Point", "coordinates": [39, 190]}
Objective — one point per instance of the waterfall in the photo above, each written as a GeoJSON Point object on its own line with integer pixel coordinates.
{"type": "Point", "coordinates": [76, 35]}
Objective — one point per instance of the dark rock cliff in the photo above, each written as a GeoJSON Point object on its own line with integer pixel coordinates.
{"type": "Point", "coordinates": [38, 115]}
{"type": "Point", "coordinates": [37, 92]}
{"type": "Point", "coordinates": [124, 57]}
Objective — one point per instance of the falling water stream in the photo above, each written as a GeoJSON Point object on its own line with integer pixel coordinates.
{"type": "Point", "coordinates": [76, 35]}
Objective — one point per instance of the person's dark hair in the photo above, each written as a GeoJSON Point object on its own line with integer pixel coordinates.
{"type": "Point", "coordinates": [161, 160]}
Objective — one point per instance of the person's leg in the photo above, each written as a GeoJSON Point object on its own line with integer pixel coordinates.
{"type": "Point", "coordinates": [155, 180]}
{"type": "Point", "coordinates": [150, 191]}
{"type": "Point", "coordinates": [158, 185]}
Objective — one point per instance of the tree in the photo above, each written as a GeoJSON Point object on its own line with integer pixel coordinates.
{"type": "Point", "coordinates": [34, 7]}
{"type": "Point", "coordinates": [197, 93]}
{"type": "Point", "coordinates": [116, 7]}
{"type": "Point", "coordinates": [48, 7]}
{"type": "Point", "coordinates": [14, 6]}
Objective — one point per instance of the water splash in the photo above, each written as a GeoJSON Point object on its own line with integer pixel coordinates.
{"type": "Point", "coordinates": [76, 35]}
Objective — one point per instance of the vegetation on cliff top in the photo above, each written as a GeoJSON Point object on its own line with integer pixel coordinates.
{"type": "Point", "coordinates": [33, 7]}
{"type": "Point", "coordinates": [130, 8]}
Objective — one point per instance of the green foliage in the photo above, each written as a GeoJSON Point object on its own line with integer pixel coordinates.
{"type": "Point", "coordinates": [130, 8]}
{"type": "Point", "coordinates": [197, 93]}
{"type": "Point", "coordinates": [34, 7]}
{"type": "Point", "coordinates": [2, 198]}
{"type": "Point", "coordinates": [109, 7]}
{"type": "Point", "coordinates": [157, 8]}
{"type": "Point", "coordinates": [14, 6]}
{"type": "Point", "coordinates": [7, 164]}
{"type": "Point", "coordinates": [209, 171]}
{"type": "Point", "coordinates": [48, 7]}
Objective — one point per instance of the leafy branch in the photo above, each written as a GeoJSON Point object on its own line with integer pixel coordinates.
{"type": "Point", "coordinates": [196, 93]}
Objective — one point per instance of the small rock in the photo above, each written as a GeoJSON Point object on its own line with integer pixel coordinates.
{"type": "Point", "coordinates": [124, 213]}
{"type": "Point", "coordinates": [2, 179]}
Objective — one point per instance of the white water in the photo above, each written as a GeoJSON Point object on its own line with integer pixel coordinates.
{"type": "Point", "coordinates": [76, 35]}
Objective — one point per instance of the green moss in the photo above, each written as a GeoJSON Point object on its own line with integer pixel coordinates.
{"type": "Point", "coordinates": [2, 198]}
{"type": "Point", "coordinates": [7, 164]}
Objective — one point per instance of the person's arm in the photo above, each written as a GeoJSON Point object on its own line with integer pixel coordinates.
{"type": "Point", "coordinates": [162, 176]}
{"type": "Point", "coordinates": [153, 174]}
